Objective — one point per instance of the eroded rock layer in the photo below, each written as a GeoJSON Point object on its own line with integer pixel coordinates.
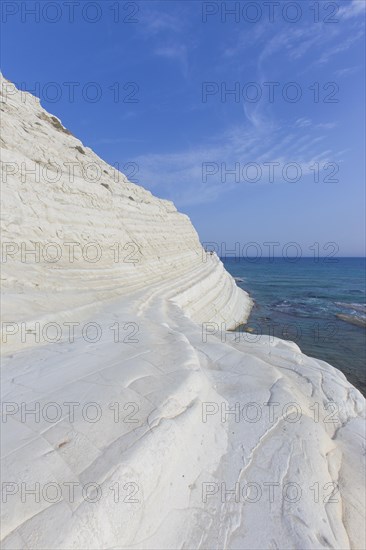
{"type": "Point", "coordinates": [131, 417]}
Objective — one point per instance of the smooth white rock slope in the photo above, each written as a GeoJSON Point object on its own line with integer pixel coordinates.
{"type": "Point", "coordinates": [131, 444]}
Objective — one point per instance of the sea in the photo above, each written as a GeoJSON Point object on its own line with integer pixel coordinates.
{"type": "Point", "coordinates": [319, 303]}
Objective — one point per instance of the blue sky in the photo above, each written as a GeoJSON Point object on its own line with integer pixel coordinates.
{"type": "Point", "coordinates": [179, 136]}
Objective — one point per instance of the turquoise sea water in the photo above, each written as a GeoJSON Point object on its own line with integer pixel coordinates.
{"type": "Point", "coordinates": [319, 304]}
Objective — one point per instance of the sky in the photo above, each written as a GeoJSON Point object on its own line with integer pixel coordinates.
{"type": "Point", "coordinates": [250, 116]}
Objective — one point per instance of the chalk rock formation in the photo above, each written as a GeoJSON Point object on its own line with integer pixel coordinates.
{"type": "Point", "coordinates": [131, 417]}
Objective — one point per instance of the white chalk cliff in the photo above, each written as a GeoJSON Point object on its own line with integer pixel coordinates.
{"type": "Point", "coordinates": [131, 444]}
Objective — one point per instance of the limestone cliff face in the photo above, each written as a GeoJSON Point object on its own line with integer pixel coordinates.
{"type": "Point", "coordinates": [109, 236]}
{"type": "Point", "coordinates": [148, 440]}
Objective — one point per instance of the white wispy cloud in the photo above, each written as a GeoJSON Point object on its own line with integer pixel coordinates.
{"type": "Point", "coordinates": [303, 122]}
{"type": "Point", "coordinates": [303, 39]}
{"type": "Point", "coordinates": [306, 122]}
{"type": "Point", "coordinates": [347, 71]}
{"type": "Point", "coordinates": [180, 175]}
{"type": "Point", "coordinates": [355, 8]}
{"type": "Point", "coordinates": [177, 53]}
{"type": "Point", "coordinates": [345, 44]}
{"type": "Point", "coordinates": [167, 33]}
{"type": "Point", "coordinates": [264, 138]}
{"type": "Point", "coordinates": [155, 21]}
